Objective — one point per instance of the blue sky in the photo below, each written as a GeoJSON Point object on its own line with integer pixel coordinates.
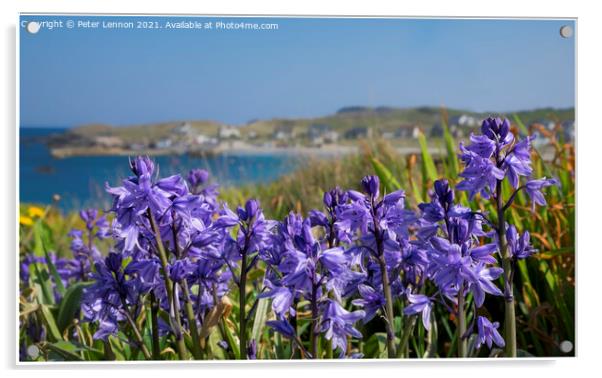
{"type": "Point", "coordinates": [306, 68]}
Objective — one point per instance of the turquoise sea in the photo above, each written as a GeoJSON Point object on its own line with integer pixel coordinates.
{"type": "Point", "coordinates": [80, 181]}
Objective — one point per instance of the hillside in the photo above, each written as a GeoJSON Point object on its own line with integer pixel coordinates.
{"type": "Point", "coordinates": [342, 129]}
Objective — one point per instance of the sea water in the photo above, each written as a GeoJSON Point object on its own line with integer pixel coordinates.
{"type": "Point", "coordinates": [80, 181]}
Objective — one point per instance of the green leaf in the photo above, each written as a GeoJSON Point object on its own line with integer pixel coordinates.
{"type": "Point", "coordinates": [428, 164]}
{"type": "Point", "coordinates": [386, 177]}
{"type": "Point", "coordinates": [69, 350]}
{"type": "Point", "coordinates": [232, 341]}
{"type": "Point", "coordinates": [70, 304]}
{"type": "Point", "coordinates": [450, 146]}
{"type": "Point", "coordinates": [55, 275]}
{"type": "Point", "coordinates": [41, 238]}
{"type": "Point", "coordinates": [376, 345]}
{"type": "Point", "coordinates": [521, 126]}
{"type": "Point", "coordinates": [54, 332]}
{"type": "Point", "coordinates": [260, 318]}
{"type": "Point", "coordinates": [42, 278]}
{"type": "Point", "coordinates": [66, 350]}
{"type": "Point", "coordinates": [554, 288]}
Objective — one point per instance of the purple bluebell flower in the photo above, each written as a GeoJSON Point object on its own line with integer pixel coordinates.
{"type": "Point", "coordinates": [146, 273]}
{"type": "Point", "coordinates": [89, 216]}
{"type": "Point", "coordinates": [103, 301]}
{"type": "Point", "coordinates": [480, 175]}
{"type": "Point", "coordinates": [85, 251]}
{"type": "Point", "coordinates": [534, 187]}
{"type": "Point", "coordinates": [481, 282]}
{"type": "Point", "coordinates": [337, 324]}
{"type": "Point", "coordinates": [371, 301]}
{"type": "Point", "coordinates": [382, 225]}
{"type": "Point", "coordinates": [414, 263]}
{"type": "Point", "coordinates": [482, 146]}
{"type": "Point", "coordinates": [213, 281]}
{"type": "Point", "coordinates": [497, 129]}
{"type": "Point", "coordinates": [492, 156]}
{"type": "Point", "coordinates": [138, 196]}
{"type": "Point", "coordinates": [444, 194]}
{"type": "Point", "coordinates": [371, 185]}
{"type": "Point", "coordinates": [142, 165]}
{"type": "Point", "coordinates": [283, 327]}
{"type": "Point", "coordinates": [454, 265]}
{"type": "Point", "coordinates": [519, 245]}
{"type": "Point", "coordinates": [67, 270]}
{"type": "Point", "coordinates": [197, 177]}
{"type": "Point", "coordinates": [518, 161]}
{"type": "Point", "coordinates": [420, 304]}
{"type": "Point", "coordinates": [282, 299]}
{"type": "Point", "coordinates": [488, 333]}
{"type": "Point", "coordinates": [252, 350]}
{"type": "Point", "coordinates": [180, 270]}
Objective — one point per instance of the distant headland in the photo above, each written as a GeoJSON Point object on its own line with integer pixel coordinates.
{"type": "Point", "coordinates": [336, 134]}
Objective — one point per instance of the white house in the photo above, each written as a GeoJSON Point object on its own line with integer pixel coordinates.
{"type": "Point", "coordinates": [229, 132]}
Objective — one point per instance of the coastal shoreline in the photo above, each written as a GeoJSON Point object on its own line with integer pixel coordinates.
{"type": "Point", "coordinates": [222, 149]}
{"type": "Point", "coordinates": [330, 151]}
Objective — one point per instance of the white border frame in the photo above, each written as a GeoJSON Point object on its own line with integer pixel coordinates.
{"type": "Point", "coordinates": [587, 94]}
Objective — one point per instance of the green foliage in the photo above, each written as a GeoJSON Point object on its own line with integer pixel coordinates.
{"type": "Point", "coordinates": [429, 171]}
{"type": "Point", "coordinates": [387, 179]}
{"type": "Point", "coordinates": [70, 305]}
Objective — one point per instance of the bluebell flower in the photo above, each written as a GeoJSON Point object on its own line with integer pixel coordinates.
{"type": "Point", "coordinates": [497, 130]}
{"type": "Point", "coordinates": [197, 177]}
{"type": "Point", "coordinates": [283, 327]}
{"type": "Point", "coordinates": [252, 350]}
{"type": "Point", "coordinates": [414, 263]}
{"type": "Point", "coordinates": [282, 299]}
{"type": "Point", "coordinates": [371, 301]}
{"type": "Point", "coordinates": [455, 264]}
{"type": "Point", "coordinates": [518, 162]}
{"type": "Point", "coordinates": [488, 333]}
{"type": "Point", "coordinates": [482, 146]}
{"type": "Point", "coordinates": [337, 323]}
{"type": "Point", "coordinates": [480, 174]}
{"type": "Point", "coordinates": [371, 185]}
{"type": "Point", "coordinates": [482, 283]}
{"type": "Point", "coordinates": [103, 301]}
{"type": "Point", "coordinates": [181, 269]}
{"type": "Point", "coordinates": [420, 304]}
{"type": "Point", "coordinates": [519, 245]}
{"type": "Point", "coordinates": [534, 187]}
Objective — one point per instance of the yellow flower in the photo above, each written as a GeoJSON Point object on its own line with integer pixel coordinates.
{"type": "Point", "coordinates": [35, 211]}
{"type": "Point", "coordinates": [26, 221]}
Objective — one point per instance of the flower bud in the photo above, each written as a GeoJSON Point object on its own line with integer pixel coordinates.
{"type": "Point", "coordinates": [371, 184]}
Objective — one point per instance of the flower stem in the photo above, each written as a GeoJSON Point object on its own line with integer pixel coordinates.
{"type": "Point", "coordinates": [509, 315]}
{"type": "Point", "coordinates": [391, 350]}
{"type": "Point", "coordinates": [242, 304]}
{"type": "Point", "coordinates": [168, 283]}
{"type": "Point", "coordinates": [406, 332]}
{"type": "Point", "coordinates": [137, 334]}
{"type": "Point", "coordinates": [155, 327]}
{"type": "Point", "coordinates": [388, 308]}
{"type": "Point", "coordinates": [177, 325]}
{"type": "Point", "coordinates": [329, 354]}
{"type": "Point", "coordinates": [196, 343]}
{"type": "Point", "coordinates": [314, 339]}
{"type": "Point", "coordinates": [462, 342]}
